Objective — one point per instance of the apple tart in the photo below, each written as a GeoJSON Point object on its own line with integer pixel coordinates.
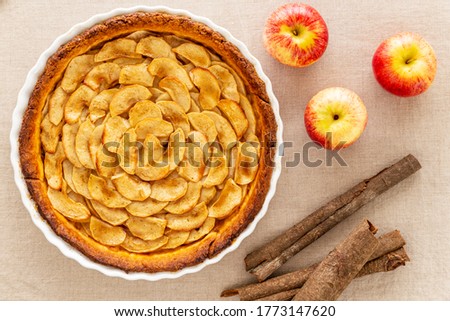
{"type": "Point", "coordinates": [147, 143]}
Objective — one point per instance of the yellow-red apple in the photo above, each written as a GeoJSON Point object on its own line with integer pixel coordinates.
{"type": "Point", "coordinates": [404, 64]}
{"type": "Point", "coordinates": [335, 117]}
{"type": "Point", "coordinates": [296, 35]}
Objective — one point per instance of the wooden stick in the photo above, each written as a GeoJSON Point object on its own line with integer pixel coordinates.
{"type": "Point", "coordinates": [387, 243]}
{"type": "Point", "coordinates": [387, 262]}
{"type": "Point", "coordinates": [340, 266]}
{"type": "Point", "coordinates": [271, 256]}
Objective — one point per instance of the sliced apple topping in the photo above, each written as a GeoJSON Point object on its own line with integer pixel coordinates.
{"type": "Point", "coordinates": [225, 132]}
{"type": "Point", "coordinates": [227, 82]}
{"type": "Point", "coordinates": [188, 201]}
{"type": "Point", "coordinates": [50, 134]}
{"type": "Point", "coordinates": [99, 105]}
{"type": "Point", "coordinates": [146, 208]}
{"type": "Point", "coordinates": [188, 221]}
{"type": "Point", "coordinates": [67, 167]}
{"type": "Point", "coordinates": [128, 151]}
{"type": "Point", "coordinates": [176, 238]}
{"type": "Point", "coordinates": [76, 71]}
{"type": "Point", "coordinates": [118, 48]}
{"type": "Point", "coordinates": [101, 192]}
{"type": "Point", "coordinates": [178, 92]}
{"type": "Point", "coordinates": [56, 105]}
{"type": "Point", "coordinates": [155, 126]}
{"type": "Point", "coordinates": [82, 143]}
{"type": "Point", "coordinates": [131, 187]}
{"type": "Point", "coordinates": [193, 165]}
{"type": "Point", "coordinates": [203, 124]}
{"type": "Point", "coordinates": [74, 211]}
{"type": "Point", "coordinates": [239, 82]}
{"type": "Point", "coordinates": [113, 216]}
{"type": "Point", "coordinates": [80, 179]}
{"type": "Point", "coordinates": [126, 97]}
{"type": "Point", "coordinates": [174, 41]}
{"type": "Point", "coordinates": [80, 99]}
{"type": "Point", "coordinates": [249, 113]}
{"type": "Point", "coordinates": [103, 76]}
{"type": "Point", "coordinates": [194, 53]}
{"type": "Point", "coordinates": [105, 233]}
{"type": "Point", "coordinates": [163, 67]}
{"type": "Point", "coordinates": [235, 115]}
{"type": "Point", "coordinates": [136, 75]}
{"type": "Point", "coordinates": [197, 234]}
{"type": "Point", "coordinates": [176, 148]}
{"type": "Point", "coordinates": [69, 133]}
{"type": "Point", "coordinates": [146, 228]}
{"type": "Point", "coordinates": [246, 163]}
{"type": "Point", "coordinates": [115, 128]}
{"type": "Point", "coordinates": [137, 245]}
{"type": "Point", "coordinates": [207, 194]}
{"type": "Point", "coordinates": [230, 198]}
{"type": "Point", "coordinates": [142, 110]}
{"type": "Point", "coordinates": [155, 47]}
{"type": "Point", "coordinates": [138, 35]}
{"type": "Point", "coordinates": [208, 86]}
{"type": "Point", "coordinates": [175, 114]}
{"type": "Point", "coordinates": [169, 189]}
{"type": "Point", "coordinates": [153, 167]}
{"type": "Point", "coordinates": [53, 167]}
{"type": "Point", "coordinates": [122, 62]}
{"type": "Point", "coordinates": [95, 142]}
{"type": "Point", "coordinates": [218, 171]}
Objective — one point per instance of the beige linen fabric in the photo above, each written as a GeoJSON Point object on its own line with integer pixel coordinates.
{"type": "Point", "coordinates": [31, 268]}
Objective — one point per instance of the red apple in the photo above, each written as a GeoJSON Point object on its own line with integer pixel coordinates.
{"type": "Point", "coordinates": [296, 35]}
{"type": "Point", "coordinates": [335, 117]}
{"type": "Point", "coordinates": [404, 64]}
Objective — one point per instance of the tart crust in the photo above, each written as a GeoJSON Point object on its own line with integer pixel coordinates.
{"type": "Point", "coordinates": [30, 149]}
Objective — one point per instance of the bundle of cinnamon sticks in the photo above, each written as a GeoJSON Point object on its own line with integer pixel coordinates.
{"type": "Point", "coordinates": [359, 254]}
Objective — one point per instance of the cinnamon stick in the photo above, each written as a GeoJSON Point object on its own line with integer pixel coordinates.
{"type": "Point", "coordinates": [340, 266]}
{"type": "Point", "coordinates": [387, 262]}
{"type": "Point", "coordinates": [271, 256]}
{"type": "Point", "coordinates": [387, 243]}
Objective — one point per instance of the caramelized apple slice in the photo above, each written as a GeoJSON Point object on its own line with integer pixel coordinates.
{"type": "Point", "coordinates": [207, 194]}
{"type": "Point", "coordinates": [169, 189]}
{"type": "Point", "coordinates": [208, 85]}
{"type": "Point", "coordinates": [76, 71]}
{"type": "Point", "coordinates": [194, 53]}
{"type": "Point", "coordinates": [106, 233]}
{"type": "Point", "coordinates": [146, 228]}
{"type": "Point", "coordinates": [113, 216]}
{"type": "Point", "coordinates": [227, 83]}
{"type": "Point", "coordinates": [128, 151]}
{"type": "Point", "coordinates": [176, 148]}
{"type": "Point", "coordinates": [69, 133]}
{"type": "Point", "coordinates": [95, 142]}
{"type": "Point", "coordinates": [233, 112]}
{"type": "Point", "coordinates": [80, 178]}
{"type": "Point", "coordinates": [101, 192]}
{"type": "Point", "coordinates": [137, 245]}
{"type": "Point", "coordinates": [193, 164]}
{"type": "Point", "coordinates": [176, 239]}
{"type": "Point", "coordinates": [142, 110]}
{"type": "Point", "coordinates": [99, 105]}
{"type": "Point", "coordinates": [249, 114]}
{"type": "Point", "coordinates": [218, 171]}
{"type": "Point", "coordinates": [155, 126]}
{"type": "Point", "coordinates": [163, 67]}
{"type": "Point", "coordinates": [131, 187]}
{"type": "Point", "coordinates": [74, 211]}
{"type": "Point", "coordinates": [188, 221]}
{"type": "Point", "coordinates": [50, 134]}
{"type": "Point", "coordinates": [106, 160]}
{"type": "Point", "coordinates": [175, 114]}
{"type": "Point", "coordinates": [203, 124]}
{"type": "Point", "coordinates": [82, 143]}
{"type": "Point", "coordinates": [239, 82]}
{"type": "Point", "coordinates": [225, 131]}
{"type": "Point", "coordinates": [246, 163]}
{"type": "Point", "coordinates": [136, 75]}
{"type": "Point", "coordinates": [138, 35]}
{"type": "Point", "coordinates": [146, 208]}
{"type": "Point", "coordinates": [203, 230]}
{"type": "Point", "coordinates": [188, 201]}
{"type": "Point", "coordinates": [80, 99]}
{"type": "Point", "coordinates": [53, 167]}
{"type": "Point", "coordinates": [67, 167]}
{"type": "Point", "coordinates": [122, 62]}
{"type": "Point", "coordinates": [177, 91]}
{"type": "Point", "coordinates": [56, 105]}
{"type": "Point", "coordinates": [155, 47]}
{"type": "Point", "coordinates": [126, 97]}
{"type": "Point", "coordinates": [118, 48]}
{"type": "Point", "coordinates": [115, 128]}
{"type": "Point", "coordinates": [103, 76]}
{"type": "Point", "coordinates": [229, 200]}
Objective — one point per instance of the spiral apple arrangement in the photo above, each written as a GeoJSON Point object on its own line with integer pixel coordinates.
{"type": "Point", "coordinates": [405, 65]}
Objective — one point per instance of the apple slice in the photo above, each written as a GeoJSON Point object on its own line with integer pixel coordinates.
{"type": "Point", "coordinates": [56, 105]}
{"type": "Point", "coordinates": [235, 115]}
{"type": "Point", "coordinates": [225, 131]}
{"type": "Point", "coordinates": [146, 208]}
{"type": "Point", "coordinates": [177, 91]}
{"type": "Point", "coordinates": [163, 67]}
{"type": "Point", "coordinates": [106, 160]}
{"type": "Point", "coordinates": [176, 148]}
{"type": "Point", "coordinates": [194, 53]}
{"type": "Point", "coordinates": [155, 126]}
{"type": "Point", "coordinates": [239, 83]}
{"type": "Point", "coordinates": [118, 48]}
{"type": "Point", "coordinates": [80, 99]}
{"type": "Point", "coordinates": [82, 143]}
{"type": "Point", "coordinates": [99, 105]}
{"type": "Point", "coordinates": [155, 47]}
{"type": "Point", "coordinates": [80, 178]}
{"type": "Point", "coordinates": [203, 124]}
{"type": "Point", "coordinates": [126, 97]}
{"type": "Point", "coordinates": [207, 194]}
{"type": "Point", "coordinates": [69, 132]}
{"type": "Point", "coordinates": [246, 163]}
{"type": "Point", "coordinates": [136, 75]}
{"type": "Point", "coordinates": [106, 233]}
{"type": "Point", "coordinates": [74, 211]}
{"type": "Point", "coordinates": [113, 216]}
{"type": "Point", "coordinates": [169, 189]}
{"type": "Point", "coordinates": [103, 76]}
{"type": "Point", "coordinates": [138, 35]}
{"type": "Point", "coordinates": [227, 83]}
{"type": "Point", "coordinates": [175, 114]}
{"type": "Point", "coordinates": [50, 134]}
{"type": "Point", "coordinates": [208, 86]}
{"type": "Point", "coordinates": [218, 171]}
{"type": "Point", "coordinates": [115, 128]}
{"type": "Point", "coordinates": [95, 142]}
{"type": "Point", "coordinates": [101, 192]}
{"type": "Point", "coordinates": [193, 165]}
{"type": "Point", "coordinates": [67, 167]}
{"type": "Point", "coordinates": [53, 167]}
{"type": "Point", "coordinates": [176, 239]}
{"type": "Point", "coordinates": [76, 71]}
{"type": "Point", "coordinates": [128, 151]}
{"type": "Point", "coordinates": [197, 234]}
{"type": "Point", "coordinates": [137, 245]}
{"type": "Point", "coordinates": [146, 228]}
{"type": "Point", "coordinates": [249, 114]}
{"type": "Point", "coordinates": [188, 201]}
{"type": "Point", "coordinates": [188, 221]}
{"type": "Point", "coordinates": [142, 110]}
{"type": "Point", "coordinates": [131, 187]}
{"type": "Point", "coordinates": [228, 201]}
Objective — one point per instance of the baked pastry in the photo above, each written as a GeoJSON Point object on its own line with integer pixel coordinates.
{"type": "Point", "coordinates": [147, 142]}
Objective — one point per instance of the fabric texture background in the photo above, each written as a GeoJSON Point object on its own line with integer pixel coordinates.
{"type": "Point", "coordinates": [32, 268]}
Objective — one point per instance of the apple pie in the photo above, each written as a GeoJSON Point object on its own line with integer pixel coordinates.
{"type": "Point", "coordinates": [148, 141]}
